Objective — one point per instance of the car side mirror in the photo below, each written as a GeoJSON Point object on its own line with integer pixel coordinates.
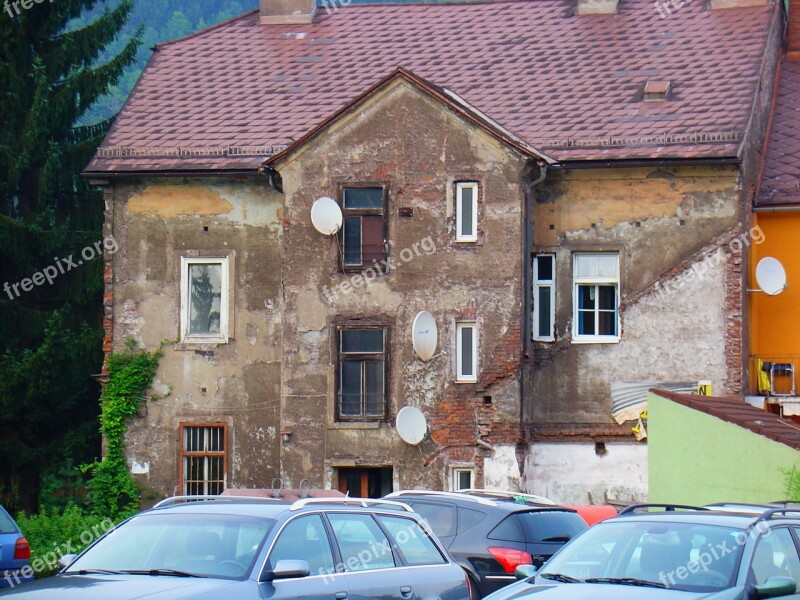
{"type": "Point", "coordinates": [287, 569]}
{"type": "Point", "coordinates": [525, 571]}
{"type": "Point", "coordinates": [66, 561]}
{"type": "Point", "coordinates": [774, 587]}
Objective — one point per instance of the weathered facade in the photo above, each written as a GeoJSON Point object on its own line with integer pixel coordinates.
{"type": "Point", "coordinates": [576, 230]}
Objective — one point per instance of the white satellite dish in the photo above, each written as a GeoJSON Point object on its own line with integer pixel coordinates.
{"type": "Point", "coordinates": [771, 276]}
{"type": "Point", "coordinates": [424, 335]}
{"type": "Point", "coordinates": [411, 425]}
{"type": "Point", "coordinates": [326, 216]}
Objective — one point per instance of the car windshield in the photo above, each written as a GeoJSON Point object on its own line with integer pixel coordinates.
{"type": "Point", "coordinates": [682, 556]}
{"type": "Point", "coordinates": [206, 545]}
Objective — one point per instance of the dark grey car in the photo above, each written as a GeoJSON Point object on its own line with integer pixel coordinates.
{"type": "Point", "coordinates": [243, 548]}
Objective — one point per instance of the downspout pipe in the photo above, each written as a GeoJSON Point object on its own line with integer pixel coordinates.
{"type": "Point", "coordinates": [527, 251]}
{"type": "Point", "coordinates": [527, 270]}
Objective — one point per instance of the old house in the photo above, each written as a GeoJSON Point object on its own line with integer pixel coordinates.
{"type": "Point", "coordinates": [560, 183]}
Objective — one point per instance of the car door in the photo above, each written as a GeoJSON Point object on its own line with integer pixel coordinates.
{"type": "Point", "coordinates": [371, 568]}
{"type": "Point", "coordinates": [431, 574]}
{"type": "Point", "coordinates": [305, 538]}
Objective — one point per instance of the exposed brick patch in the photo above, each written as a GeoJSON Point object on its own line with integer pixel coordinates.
{"type": "Point", "coordinates": [462, 416]}
{"type": "Point", "coordinates": [574, 433]}
{"type": "Point", "coordinates": [734, 323]}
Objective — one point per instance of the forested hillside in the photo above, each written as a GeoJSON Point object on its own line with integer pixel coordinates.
{"type": "Point", "coordinates": [163, 20]}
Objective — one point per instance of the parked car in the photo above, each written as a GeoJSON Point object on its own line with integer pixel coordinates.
{"type": "Point", "coordinates": [242, 548]}
{"type": "Point", "coordinates": [490, 533]}
{"type": "Point", "coordinates": [672, 553]}
{"type": "Point", "coordinates": [15, 553]}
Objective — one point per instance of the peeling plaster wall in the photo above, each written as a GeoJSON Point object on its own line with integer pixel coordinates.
{"type": "Point", "coordinates": [577, 474]}
{"type": "Point", "coordinates": [404, 140]}
{"type": "Point", "coordinates": [156, 222]}
{"type": "Point", "coordinates": [673, 327]}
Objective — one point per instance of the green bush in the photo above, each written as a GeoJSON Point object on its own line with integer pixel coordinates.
{"type": "Point", "coordinates": [56, 533]}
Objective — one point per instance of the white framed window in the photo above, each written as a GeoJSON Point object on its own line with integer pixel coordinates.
{"type": "Point", "coordinates": [463, 479]}
{"type": "Point", "coordinates": [204, 299]}
{"type": "Point", "coordinates": [544, 297]}
{"type": "Point", "coordinates": [467, 212]}
{"type": "Point", "coordinates": [596, 297]}
{"type": "Point", "coordinates": [467, 351]}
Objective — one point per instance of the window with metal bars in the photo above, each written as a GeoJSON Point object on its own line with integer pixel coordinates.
{"type": "Point", "coordinates": [203, 459]}
{"type": "Point", "coordinates": [362, 373]}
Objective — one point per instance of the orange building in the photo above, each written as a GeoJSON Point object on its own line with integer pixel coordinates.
{"type": "Point", "coordinates": [775, 319]}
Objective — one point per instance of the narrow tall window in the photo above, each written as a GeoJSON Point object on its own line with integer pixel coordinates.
{"type": "Point", "coordinates": [204, 299]}
{"type": "Point", "coordinates": [362, 373]}
{"type": "Point", "coordinates": [596, 297]}
{"type": "Point", "coordinates": [203, 459]}
{"type": "Point", "coordinates": [466, 351]}
{"type": "Point", "coordinates": [363, 233]}
{"type": "Point", "coordinates": [466, 212]}
{"type": "Point", "coordinates": [544, 297]}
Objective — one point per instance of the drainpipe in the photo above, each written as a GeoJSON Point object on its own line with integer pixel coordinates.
{"type": "Point", "coordinates": [526, 280]}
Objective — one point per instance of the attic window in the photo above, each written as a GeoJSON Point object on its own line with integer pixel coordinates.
{"type": "Point", "coordinates": [656, 91]}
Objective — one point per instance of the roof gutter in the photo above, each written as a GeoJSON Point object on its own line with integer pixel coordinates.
{"type": "Point", "coordinates": [777, 209]}
{"type": "Point", "coordinates": [645, 162]}
{"type": "Point", "coordinates": [198, 173]}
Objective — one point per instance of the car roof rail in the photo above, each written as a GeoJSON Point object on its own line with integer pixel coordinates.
{"type": "Point", "coordinates": [363, 502]}
{"type": "Point", "coordinates": [633, 508]}
{"type": "Point", "coordinates": [511, 495]}
{"type": "Point", "coordinates": [217, 498]}
{"type": "Point", "coordinates": [455, 495]}
{"type": "Point", "coordinates": [771, 512]}
{"type": "Point", "coordinates": [785, 502]}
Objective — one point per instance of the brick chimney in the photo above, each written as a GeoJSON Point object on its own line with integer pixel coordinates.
{"type": "Point", "coordinates": [793, 31]}
{"type": "Point", "coordinates": [715, 4]}
{"type": "Point", "coordinates": [287, 12]}
{"type": "Point", "coordinates": [597, 7]}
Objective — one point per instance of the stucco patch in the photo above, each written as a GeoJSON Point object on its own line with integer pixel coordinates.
{"type": "Point", "coordinates": [169, 201]}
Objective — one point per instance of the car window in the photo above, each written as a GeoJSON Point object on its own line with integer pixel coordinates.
{"type": "Point", "coordinates": [440, 517]}
{"type": "Point", "coordinates": [692, 557]}
{"type": "Point", "coordinates": [6, 522]}
{"type": "Point", "coordinates": [508, 530]}
{"type": "Point", "coordinates": [304, 538]}
{"type": "Point", "coordinates": [361, 542]}
{"type": "Point", "coordinates": [414, 543]}
{"type": "Point", "coordinates": [213, 545]}
{"type": "Point", "coordinates": [468, 518]}
{"type": "Point", "coordinates": [551, 526]}
{"type": "Point", "coordinates": [775, 556]}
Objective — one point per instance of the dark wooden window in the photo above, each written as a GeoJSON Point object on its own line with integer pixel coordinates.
{"type": "Point", "coordinates": [203, 459]}
{"type": "Point", "coordinates": [364, 229]}
{"type": "Point", "coordinates": [362, 373]}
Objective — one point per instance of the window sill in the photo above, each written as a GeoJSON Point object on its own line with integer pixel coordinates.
{"type": "Point", "coordinates": [466, 241]}
{"type": "Point", "coordinates": [467, 381]}
{"type": "Point", "coordinates": [200, 345]}
{"type": "Point", "coordinates": [598, 339]}
{"type": "Point", "coordinates": [355, 425]}
{"type": "Point", "coordinates": [546, 340]}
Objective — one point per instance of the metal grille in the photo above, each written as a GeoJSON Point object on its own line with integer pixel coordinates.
{"type": "Point", "coordinates": [203, 455]}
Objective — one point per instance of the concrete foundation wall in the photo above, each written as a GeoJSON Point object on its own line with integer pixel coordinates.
{"type": "Point", "coordinates": [584, 473]}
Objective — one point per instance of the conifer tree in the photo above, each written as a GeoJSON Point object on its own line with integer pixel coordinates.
{"type": "Point", "coordinates": [50, 330]}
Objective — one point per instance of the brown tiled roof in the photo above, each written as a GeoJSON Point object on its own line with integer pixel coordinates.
{"type": "Point", "coordinates": [571, 86]}
{"type": "Point", "coordinates": [781, 180]}
{"type": "Point", "coordinates": [742, 414]}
